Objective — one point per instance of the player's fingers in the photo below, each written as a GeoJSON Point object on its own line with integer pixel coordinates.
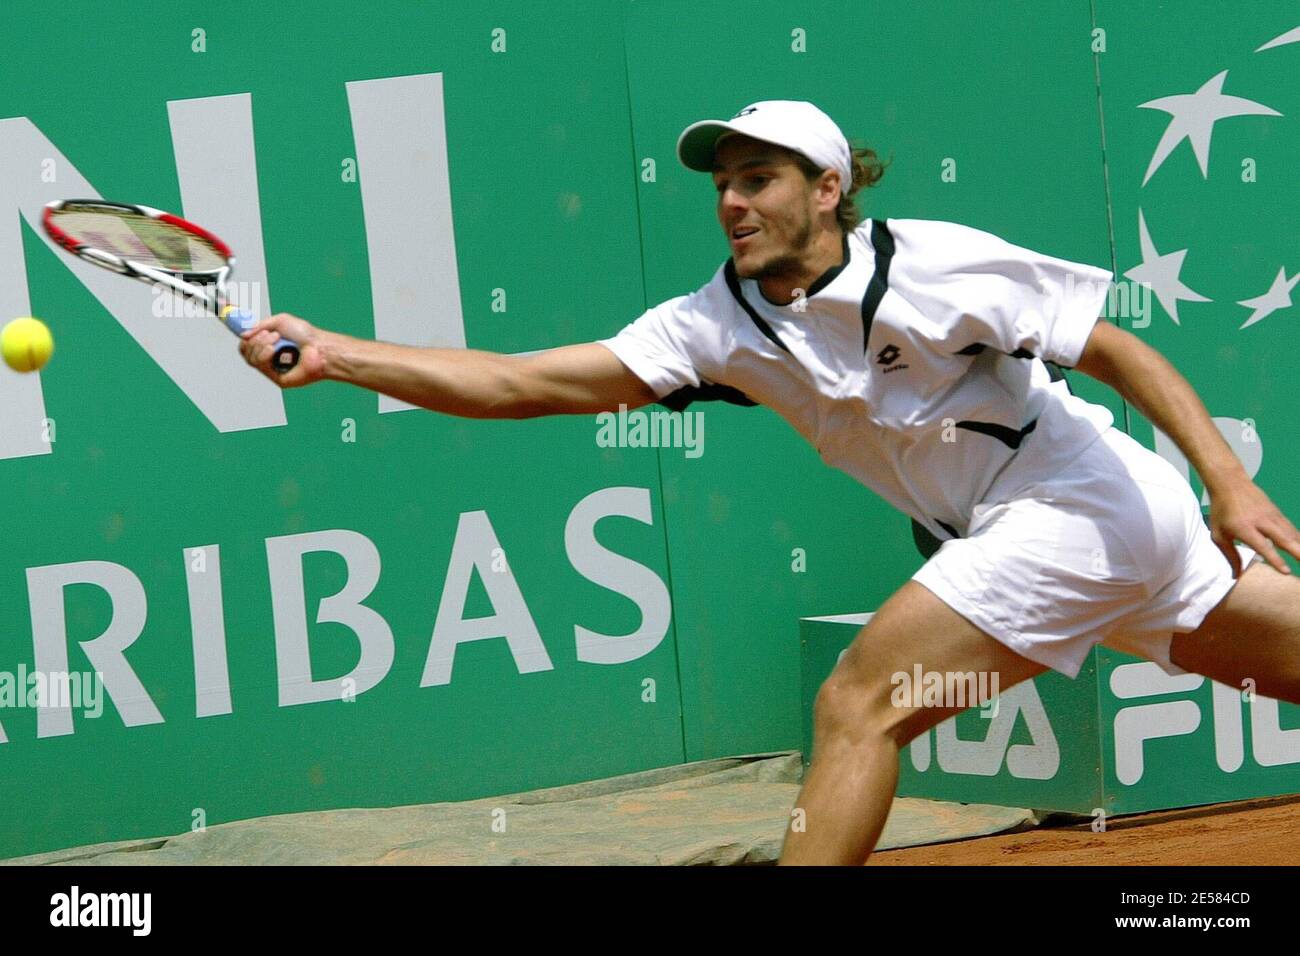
{"type": "Point", "coordinates": [261, 346]}
{"type": "Point", "coordinates": [257, 352]}
{"type": "Point", "coordinates": [247, 348]}
{"type": "Point", "coordinates": [261, 327]}
{"type": "Point", "coordinates": [1287, 536]}
{"type": "Point", "coordinates": [1263, 546]}
{"type": "Point", "coordinates": [287, 326]}
{"type": "Point", "coordinates": [257, 345]}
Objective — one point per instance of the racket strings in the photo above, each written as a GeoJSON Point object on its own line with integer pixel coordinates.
{"type": "Point", "coordinates": [140, 239]}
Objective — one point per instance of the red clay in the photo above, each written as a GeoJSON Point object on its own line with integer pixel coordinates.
{"type": "Point", "coordinates": [1249, 833]}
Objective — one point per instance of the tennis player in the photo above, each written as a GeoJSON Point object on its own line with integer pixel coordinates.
{"type": "Point", "coordinates": [923, 358]}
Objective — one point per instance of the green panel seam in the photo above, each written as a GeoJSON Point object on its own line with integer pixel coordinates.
{"type": "Point", "coordinates": [1105, 178]}
{"type": "Point", "coordinates": [1099, 730]}
{"type": "Point", "coordinates": [1095, 654]}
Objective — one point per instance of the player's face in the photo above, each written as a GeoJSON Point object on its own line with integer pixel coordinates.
{"type": "Point", "coordinates": [765, 206]}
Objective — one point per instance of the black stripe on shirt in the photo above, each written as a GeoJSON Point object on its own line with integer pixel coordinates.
{"type": "Point", "coordinates": [975, 348]}
{"type": "Point", "coordinates": [830, 274]}
{"type": "Point", "coordinates": [947, 527]}
{"type": "Point", "coordinates": [1010, 437]}
{"type": "Point", "coordinates": [733, 283]}
{"type": "Point", "coordinates": [677, 400]}
{"type": "Point", "coordinates": [1055, 372]}
{"type": "Point", "coordinates": [882, 240]}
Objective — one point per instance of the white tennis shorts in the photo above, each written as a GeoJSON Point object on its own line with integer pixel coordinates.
{"type": "Point", "coordinates": [1113, 550]}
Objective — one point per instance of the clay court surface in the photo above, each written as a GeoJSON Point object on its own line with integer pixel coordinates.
{"type": "Point", "coordinates": [1250, 833]}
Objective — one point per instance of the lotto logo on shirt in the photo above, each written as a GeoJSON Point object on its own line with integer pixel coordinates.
{"type": "Point", "coordinates": [887, 356]}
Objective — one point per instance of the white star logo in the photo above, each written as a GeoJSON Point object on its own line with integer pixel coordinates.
{"type": "Point", "coordinates": [1277, 297]}
{"type": "Point", "coordinates": [1161, 273]}
{"type": "Point", "coordinates": [1291, 36]}
{"type": "Point", "coordinates": [1194, 116]}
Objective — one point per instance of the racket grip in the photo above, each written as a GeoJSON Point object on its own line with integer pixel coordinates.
{"type": "Point", "coordinates": [240, 321]}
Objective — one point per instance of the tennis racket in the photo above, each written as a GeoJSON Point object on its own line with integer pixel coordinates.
{"type": "Point", "coordinates": [155, 246]}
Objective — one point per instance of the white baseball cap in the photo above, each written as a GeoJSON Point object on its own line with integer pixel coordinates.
{"type": "Point", "coordinates": [794, 124]}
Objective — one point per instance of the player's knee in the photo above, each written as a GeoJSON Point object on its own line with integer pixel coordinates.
{"type": "Point", "coordinates": [857, 709]}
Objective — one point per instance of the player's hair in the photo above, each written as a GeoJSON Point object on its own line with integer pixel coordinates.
{"type": "Point", "coordinates": [867, 170]}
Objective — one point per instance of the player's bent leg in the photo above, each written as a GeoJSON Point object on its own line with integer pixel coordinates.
{"type": "Point", "coordinates": [1253, 633]}
{"type": "Point", "coordinates": [859, 729]}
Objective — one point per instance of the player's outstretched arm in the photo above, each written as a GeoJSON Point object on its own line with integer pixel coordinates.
{"type": "Point", "coordinates": [575, 379]}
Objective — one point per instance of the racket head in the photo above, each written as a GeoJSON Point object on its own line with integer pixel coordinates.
{"type": "Point", "coordinates": [137, 240]}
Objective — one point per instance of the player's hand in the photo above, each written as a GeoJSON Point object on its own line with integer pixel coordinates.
{"type": "Point", "coordinates": [257, 345]}
{"type": "Point", "coordinates": [1242, 512]}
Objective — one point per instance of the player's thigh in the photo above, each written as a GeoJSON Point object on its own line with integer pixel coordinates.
{"type": "Point", "coordinates": [913, 628]}
{"type": "Point", "coordinates": [1253, 633]}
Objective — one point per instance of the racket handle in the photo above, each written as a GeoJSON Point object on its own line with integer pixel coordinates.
{"type": "Point", "coordinates": [240, 321]}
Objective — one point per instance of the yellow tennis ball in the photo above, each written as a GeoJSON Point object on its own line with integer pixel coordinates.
{"type": "Point", "coordinates": [26, 344]}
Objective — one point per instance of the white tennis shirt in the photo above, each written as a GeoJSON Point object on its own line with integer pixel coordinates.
{"type": "Point", "coordinates": [916, 366]}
